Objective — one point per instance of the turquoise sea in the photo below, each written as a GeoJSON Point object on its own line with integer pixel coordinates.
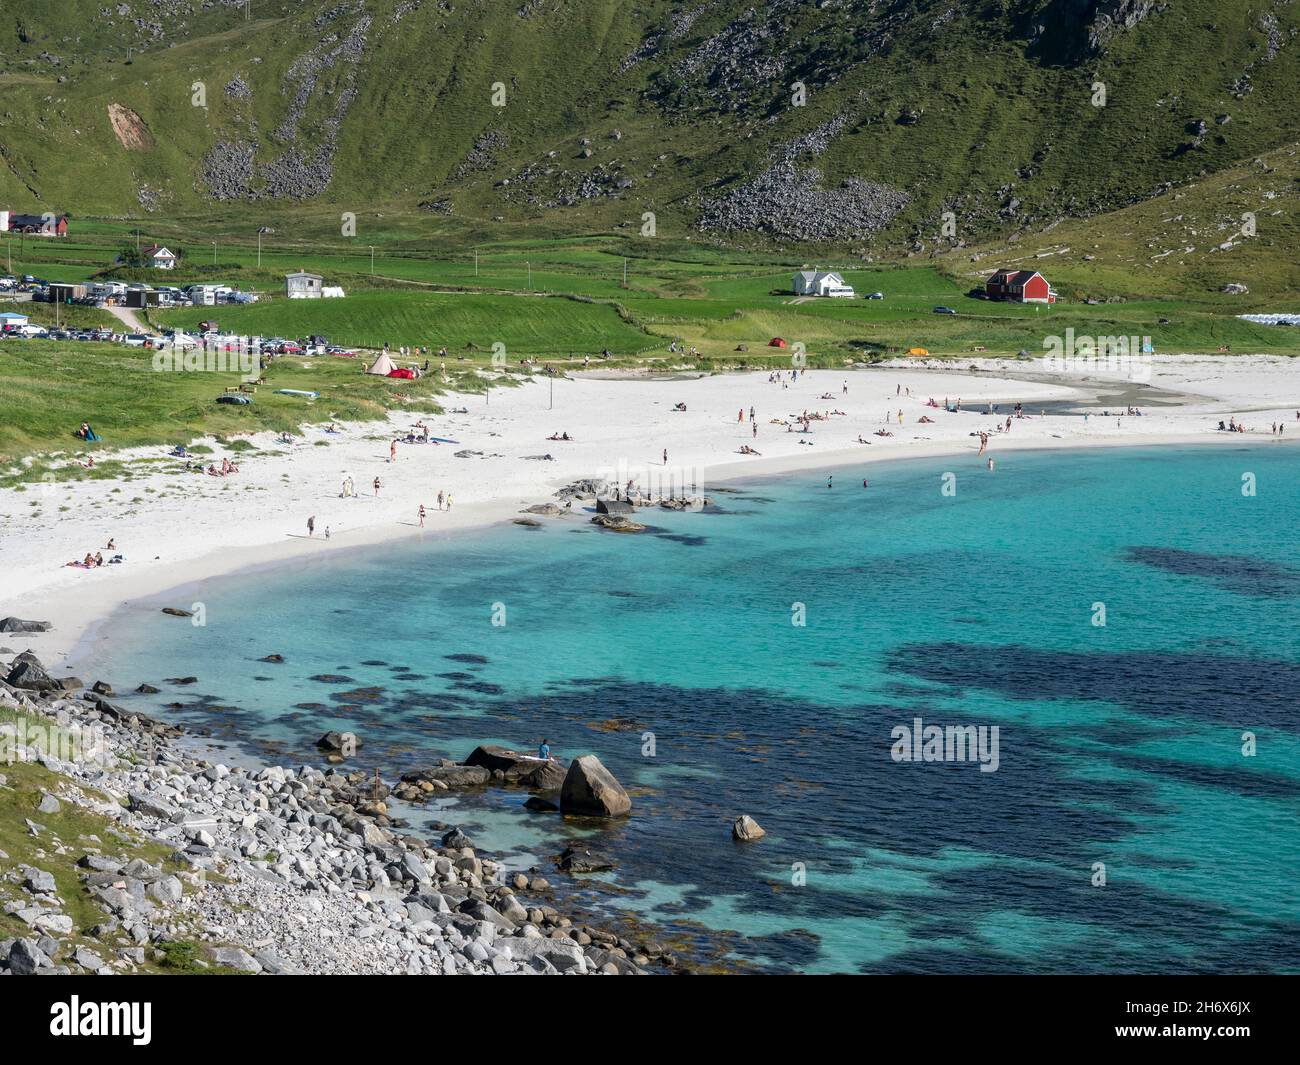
{"type": "Point", "coordinates": [674, 656]}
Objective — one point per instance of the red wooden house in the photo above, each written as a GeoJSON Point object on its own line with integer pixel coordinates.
{"type": "Point", "coordinates": [50, 225]}
{"type": "Point", "coordinates": [1019, 286]}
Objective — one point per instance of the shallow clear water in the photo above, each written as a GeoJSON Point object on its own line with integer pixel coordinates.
{"type": "Point", "coordinates": [1118, 744]}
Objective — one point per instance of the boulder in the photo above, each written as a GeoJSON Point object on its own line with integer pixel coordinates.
{"type": "Point", "coordinates": [515, 767]}
{"type": "Point", "coordinates": [19, 625]}
{"type": "Point", "coordinates": [580, 860]}
{"type": "Point", "coordinates": [339, 742]}
{"type": "Point", "coordinates": [492, 756]}
{"type": "Point", "coordinates": [177, 612]}
{"type": "Point", "coordinates": [545, 776]}
{"type": "Point", "coordinates": [590, 789]}
{"type": "Point", "coordinates": [25, 957]}
{"type": "Point", "coordinates": [28, 673]}
{"type": "Point", "coordinates": [617, 523]}
{"type": "Point", "coordinates": [147, 689]}
{"type": "Point", "coordinates": [745, 829]}
{"type": "Point", "coordinates": [236, 958]}
{"type": "Point", "coordinates": [454, 776]}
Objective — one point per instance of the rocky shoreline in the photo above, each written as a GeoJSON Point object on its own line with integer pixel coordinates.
{"type": "Point", "coordinates": [133, 853]}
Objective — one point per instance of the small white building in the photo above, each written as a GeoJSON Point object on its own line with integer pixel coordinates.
{"type": "Point", "coordinates": [12, 320]}
{"type": "Point", "coordinates": [300, 285]}
{"type": "Point", "coordinates": [821, 283]}
{"type": "Point", "coordinates": [202, 295]}
{"type": "Point", "coordinates": [159, 257]}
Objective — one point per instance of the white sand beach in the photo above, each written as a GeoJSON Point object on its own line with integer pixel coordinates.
{"type": "Point", "coordinates": [175, 528]}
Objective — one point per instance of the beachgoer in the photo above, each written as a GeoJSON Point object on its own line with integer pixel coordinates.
{"type": "Point", "coordinates": [378, 485]}
{"type": "Point", "coordinates": [392, 451]}
{"type": "Point", "coordinates": [421, 515]}
{"type": "Point", "coordinates": [440, 499]}
{"type": "Point", "coordinates": [544, 751]}
{"type": "Point", "coordinates": [311, 526]}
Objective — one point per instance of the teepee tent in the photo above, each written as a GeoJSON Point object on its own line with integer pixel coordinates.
{"type": "Point", "coordinates": [383, 366]}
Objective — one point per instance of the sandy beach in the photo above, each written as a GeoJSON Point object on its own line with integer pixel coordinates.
{"type": "Point", "coordinates": [176, 529]}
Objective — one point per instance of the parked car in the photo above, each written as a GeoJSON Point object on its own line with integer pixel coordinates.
{"type": "Point", "coordinates": [30, 330]}
{"type": "Point", "coordinates": [137, 340]}
{"type": "Point", "coordinates": [876, 296]}
{"type": "Point", "coordinates": [944, 310]}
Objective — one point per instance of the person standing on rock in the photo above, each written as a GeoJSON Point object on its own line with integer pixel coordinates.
{"type": "Point", "coordinates": [544, 751]}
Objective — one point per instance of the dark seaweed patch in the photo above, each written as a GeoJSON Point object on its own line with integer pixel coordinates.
{"type": "Point", "coordinates": [1240, 574]}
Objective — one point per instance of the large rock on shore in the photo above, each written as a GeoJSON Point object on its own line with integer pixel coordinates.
{"type": "Point", "coordinates": [590, 789]}
{"type": "Point", "coordinates": [19, 625]}
{"type": "Point", "coordinates": [27, 673]}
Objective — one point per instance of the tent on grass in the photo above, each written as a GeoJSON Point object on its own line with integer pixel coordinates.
{"type": "Point", "coordinates": [383, 366]}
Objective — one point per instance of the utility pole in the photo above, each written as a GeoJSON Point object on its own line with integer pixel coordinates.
{"type": "Point", "coordinates": [625, 273]}
{"type": "Point", "coordinates": [259, 246]}
{"type": "Point", "coordinates": [476, 262]}
{"type": "Point", "coordinates": [530, 277]}
{"type": "Point", "coordinates": [372, 258]}
{"type": "Point", "coordinates": [214, 253]}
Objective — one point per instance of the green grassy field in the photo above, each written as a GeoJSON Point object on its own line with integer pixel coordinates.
{"type": "Point", "coordinates": [528, 325]}
{"type": "Point", "coordinates": [50, 388]}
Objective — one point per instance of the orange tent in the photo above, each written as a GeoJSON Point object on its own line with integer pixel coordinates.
{"type": "Point", "coordinates": [777, 342]}
{"type": "Point", "coordinates": [917, 351]}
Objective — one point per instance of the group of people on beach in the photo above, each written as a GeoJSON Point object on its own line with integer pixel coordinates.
{"type": "Point", "coordinates": [224, 470]}
{"type": "Point", "coordinates": [96, 559]}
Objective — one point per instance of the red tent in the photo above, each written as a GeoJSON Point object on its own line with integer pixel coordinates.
{"type": "Point", "coordinates": [777, 342]}
{"type": "Point", "coordinates": [407, 374]}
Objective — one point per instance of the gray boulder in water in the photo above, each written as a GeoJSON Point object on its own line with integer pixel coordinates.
{"type": "Point", "coordinates": [746, 829]}
{"type": "Point", "coordinates": [590, 789]}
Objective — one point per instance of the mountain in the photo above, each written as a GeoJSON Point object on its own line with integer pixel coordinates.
{"type": "Point", "coordinates": [867, 126]}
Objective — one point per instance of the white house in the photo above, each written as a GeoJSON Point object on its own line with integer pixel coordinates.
{"type": "Point", "coordinates": [10, 320]}
{"type": "Point", "coordinates": [821, 283]}
{"type": "Point", "coordinates": [300, 285]}
{"type": "Point", "coordinates": [159, 257]}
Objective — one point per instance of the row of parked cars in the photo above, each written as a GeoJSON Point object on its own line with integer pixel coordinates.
{"type": "Point", "coordinates": [180, 339]}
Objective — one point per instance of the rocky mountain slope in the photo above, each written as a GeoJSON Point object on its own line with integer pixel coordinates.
{"type": "Point", "coordinates": [917, 123]}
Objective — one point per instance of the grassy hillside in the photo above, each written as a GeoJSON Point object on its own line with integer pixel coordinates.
{"type": "Point", "coordinates": [982, 108]}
